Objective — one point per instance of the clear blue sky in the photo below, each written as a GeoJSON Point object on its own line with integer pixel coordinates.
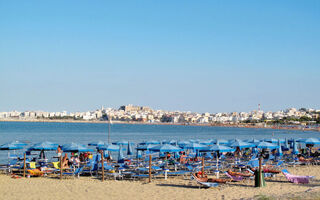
{"type": "Point", "coordinates": [200, 56]}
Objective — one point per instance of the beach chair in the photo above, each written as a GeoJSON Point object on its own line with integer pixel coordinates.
{"type": "Point", "coordinates": [234, 178]}
{"type": "Point", "coordinates": [35, 172]}
{"type": "Point", "coordinates": [203, 184]}
{"type": "Point", "coordinates": [296, 178]}
{"type": "Point", "coordinates": [77, 172]}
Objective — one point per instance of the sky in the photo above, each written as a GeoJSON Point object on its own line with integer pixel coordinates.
{"type": "Point", "coordinates": [201, 56]}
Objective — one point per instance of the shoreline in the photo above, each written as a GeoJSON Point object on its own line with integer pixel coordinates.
{"type": "Point", "coordinates": [166, 124]}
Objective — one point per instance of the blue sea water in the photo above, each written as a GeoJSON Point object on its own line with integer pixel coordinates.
{"type": "Point", "coordinates": [62, 133]}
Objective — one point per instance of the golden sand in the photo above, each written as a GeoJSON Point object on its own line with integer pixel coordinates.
{"type": "Point", "coordinates": [89, 188]}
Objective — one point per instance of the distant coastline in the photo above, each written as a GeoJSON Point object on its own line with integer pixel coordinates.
{"type": "Point", "coordinates": [162, 123]}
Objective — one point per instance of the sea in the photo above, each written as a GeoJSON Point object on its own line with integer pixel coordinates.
{"type": "Point", "coordinates": [84, 133]}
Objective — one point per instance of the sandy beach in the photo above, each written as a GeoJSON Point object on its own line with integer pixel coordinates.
{"type": "Point", "coordinates": [173, 188]}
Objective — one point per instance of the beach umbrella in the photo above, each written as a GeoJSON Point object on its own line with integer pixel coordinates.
{"type": "Point", "coordinates": [129, 150]}
{"type": "Point", "coordinates": [145, 147]}
{"type": "Point", "coordinates": [221, 148]}
{"type": "Point", "coordinates": [139, 155]}
{"type": "Point", "coordinates": [17, 143]}
{"type": "Point", "coordinates": [295, 150]}
{"type": "Point", "coordinates": [253, 141]}
{"type": "Point", "coordinates": [206, 142]}
{"type": "Point", "coordinates": [311, 141]}
{"type": "Point", "coordinates": [46, 146]}
{"type": "Point", "coordinates": [183, 143]}
{"type": "Point", "coordinates": [109, 147]}
{"type": "Point", "coordinates": [266, 145]}
{"type": "Point", "coordinates": [150, 142]}
{"type": "Point", "coordinates": [75, 147]}
{"type": "Point", "coordinates": [221, 141]}
{"type": "Point", "coordinates": [121, 142]}
{"type": "Point", "coordinates": [273, 140]}
{"type": "Point", "coordinates": [193, 141]}
{"type": "Point", "coordinates": [195, 146]}
{"type": "Point", "coordinates": [120, 155]}
{"type": "Point", "coordinates": [241, 144]}
{"type": "Point", "coordinates": [99, 143]}
{"type": "Point", "coordinates": [172, 142]}
{"type": "Point", "coordinates": [286, 144]}
{"type": "Point", "coordinates": [279, 153]}
{"type": "Point", "coordinates": [165, 148]}
{"type": "Point", "coordinates": [255, 150]}
{"type": "Point", "coordinates": [9, 146]}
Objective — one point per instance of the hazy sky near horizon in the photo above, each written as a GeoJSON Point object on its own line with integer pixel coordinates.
{"type": "Point", "coordinates": [215, 56]}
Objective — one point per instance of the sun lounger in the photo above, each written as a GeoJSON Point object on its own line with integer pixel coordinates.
{"type": "Point", "coordinates": [77, 172]}
{"type": "Point", "coordinates": [296, 178]}
{"type": "Point", "coordinates": [235, 178]}
{"type": "Point", "coordinates": [204, 184]}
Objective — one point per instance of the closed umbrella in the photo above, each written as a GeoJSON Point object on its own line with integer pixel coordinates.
{"type": "Point", "coordinates": [120, 156]}
{"type": "Point", "coordinates": [295, 150]}
{"type": "Point", "coordinates": [129, 150]}
{"type": "Point", "coordinates": [279, 153]}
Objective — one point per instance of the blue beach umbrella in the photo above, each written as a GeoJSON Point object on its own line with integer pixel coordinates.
{"type": "Point", "coordinates": [129, 150]}
{"type": "Point", "coordinates": [279, 153]}
{"type": "Point", "coordinates": [311, 141]}
{"type": "Point", "coordinates": [206, 142]}
{"type": "Point", "coordinates": [99, 143]}
{"type": "Point", "coordinates": [183, 143]}
{"type": "Point", "coordinates": [266, 145]}
{"type": "Point", "coordinates": [295, 150]}
{"type": "Point", "coordinates": [121, 142]}
{"type": "Point", "coordinates": [75, 147]}
{"type": "Point", "coordinates": [9, 146]}
{"type": "Point", "coordinates": [195, 146]}
{"type": "Point", "coordinates": [241, 144]}
{"type": "Point", "coordinates": [109, 147]}
{"type": "Point", "coordinates": [120, 156]}
{"type": "Point", "coordinates": [172, 142]}
{"type": "Point", "coordinates": [18, 143]}
{"type": "Point", "coordinates": [221, 148]}
{"type": "Point", "coordinates": [46, 146]}
{"type": "Point", "coordinates": [221, 141]}
{"type": "Point", "coordinates": [286, 144]}
{"type": "Point", "coordinates": [165, 148]}
{"type": "Point", "coordinates": [145, 147]}
{"type": "Point", "coordinates": [150, 142]}
{"type": "Point", "coordinates": [273, 140]}
{"type": "Point", "coordinates": [253, 141]}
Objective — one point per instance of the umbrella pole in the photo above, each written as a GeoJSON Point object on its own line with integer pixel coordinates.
{"type": "Point", "coordinates": [24, 165]}
{"type": "Point", "coordinates": [202, 171]}
{"type": "Point", "coordinates": [102, 164]}
{"type": "Point", "coordinates": [150, 163]}
{"type": "Point", "coordinates": [61, 167]}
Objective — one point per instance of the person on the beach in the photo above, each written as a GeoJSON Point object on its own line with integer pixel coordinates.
{"type": "Point", "coordinates": [238, 153]}
{"type": "Point", "coordinates": [238, 173]}
{"type": "Point", "coordinates": [59, 151]}
{"type": "Point", "coordinates": [213, 180]}
{"type": "Point", "coordinates": [183, 158]}
{"type": "Point", "coordinates": [65, 161]}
